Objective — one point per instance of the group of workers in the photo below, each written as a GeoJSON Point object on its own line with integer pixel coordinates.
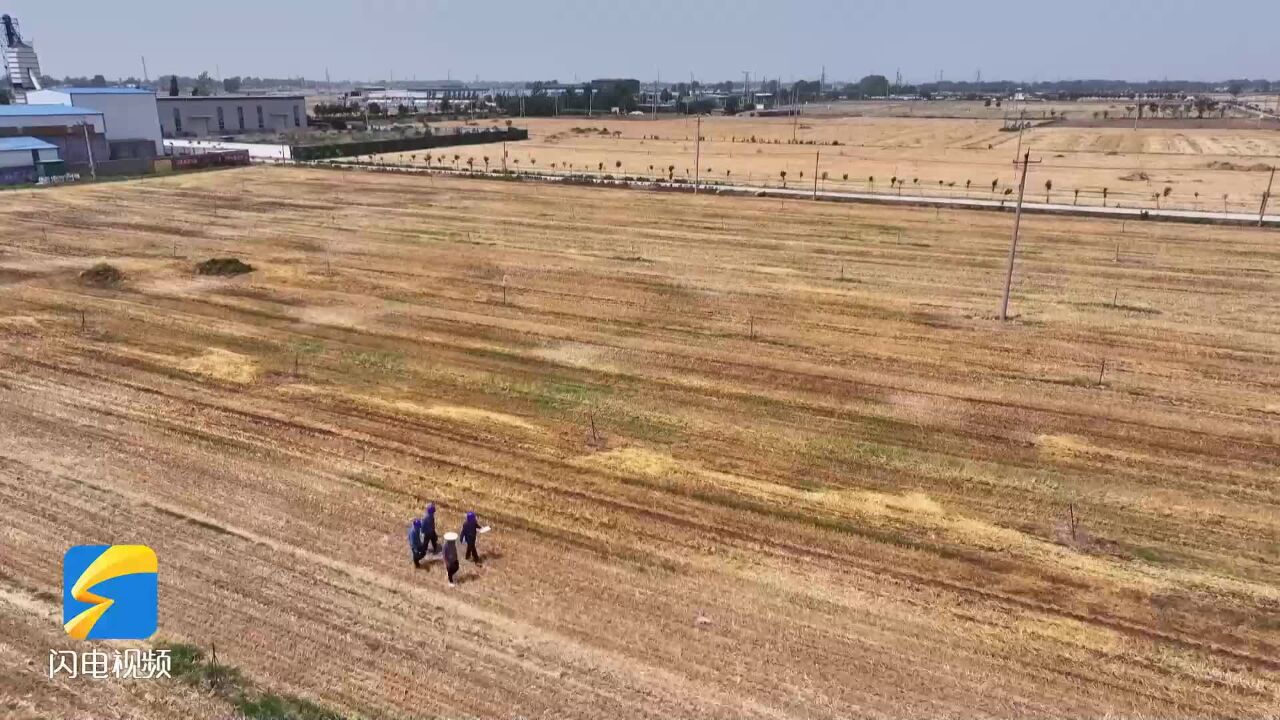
{"type": "Point", "coordinates": [423, 540]}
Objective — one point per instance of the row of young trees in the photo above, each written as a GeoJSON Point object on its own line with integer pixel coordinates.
{"type": "Point", "coordinates": [456, 160]}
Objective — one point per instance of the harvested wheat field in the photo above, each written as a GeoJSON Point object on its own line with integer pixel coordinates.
{"type": "Point", "coordinates": [822, 482]}
{"type": "Point", "coordinates": [943, 157]}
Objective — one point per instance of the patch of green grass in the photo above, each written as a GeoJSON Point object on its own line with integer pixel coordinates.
{"type": "Point", "coordinates": [647, 427]}
{"type": "Point", "coordinates": [1147, 554]}
{"type": "Point", "coordinates": [377, 360]}
{"type": "Point", "coordinates": [558, 395]}
{"type": "Point", "coordinates": [1121, 307]}
{"type": "Point", "coordinates": [497, 354]}
{"type": "Point", "coordinates": [845, 451]}
{"type": "Point", "coordinates": [190, 664]}
{"type": "Point", "coordinates": [270, 706]}
{"type": "Point", "coordinates": [307, 346]}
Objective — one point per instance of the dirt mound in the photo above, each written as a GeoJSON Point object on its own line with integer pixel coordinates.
{"type": "Point", "coordinates": [1136, 176]}
{"type": "Point", "coordinates": [102, 275]}
{"type": "Point", "coordinates": [223, 266]}
{"type": "Point", "coordinates": [1228, 165]}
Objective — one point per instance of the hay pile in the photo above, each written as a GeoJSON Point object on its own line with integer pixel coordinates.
{"type": "Point", "coordinates": [102, 275]}
{"type": "Point", "coordinates": [223, 266]}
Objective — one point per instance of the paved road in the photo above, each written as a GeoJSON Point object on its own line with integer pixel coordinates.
{"type": "Point", "coordinates": [1032, 207]}
{"type": "Point", "coordinates": [1117, 213]}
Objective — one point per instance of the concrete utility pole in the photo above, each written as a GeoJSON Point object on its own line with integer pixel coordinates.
{"type": "Point", "coordinates": [93, 168]}
{"type": "Point", "coordinates": [1019, 150]}
{"type": "Point", "coordinates": [697, 155]}
{"type": "Point", "coordinates": [795, 111]}
{"type": "Point", "coordinates": [1266, 196]}
{"type": "Point", "coordinates": [816, 155]}
{"type": "Point", "coordinates": [1013, 246]}
{"type": "Point", "coordinates": [656, 80]}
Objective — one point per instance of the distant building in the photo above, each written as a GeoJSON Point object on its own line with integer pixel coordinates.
{"type": "Point", "coordinates": [131, 116]}
{"type": "Point", "coordinates": [24, 160]}
{"type": "Point", "coordinates": [616, 86]}
{"type": "Point", "coordinates": [20, 60]}
{"type": "Point", "coordinates": [78, 133]}
{"type": "Point", "coordinates": [447, 92]}
{"type": "Point", "coordinates": [204, 115]}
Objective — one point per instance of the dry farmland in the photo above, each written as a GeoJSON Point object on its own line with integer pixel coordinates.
{"type": "Point", "coordinates": [822, 480]}
{"type": "Point", "coordinates": [934, 156]}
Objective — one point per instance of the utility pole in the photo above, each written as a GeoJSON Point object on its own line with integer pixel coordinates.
{"type": "Point", "coordinates": [1266, 196]}
{"type": "Point", "coordinates": [93, 168]}
{"type": "Point", "coordinates": [795, 111]}
{"type": "Point", "coordinates": [145, 78]}
{"type": "Point", "coordinates": [1019, 150]}
{"type": "Point", "coordinates": [657, 80]}
{"type": "Point", "coordinates": [1013, 246]}
{"type": "Point", "coordinates": [697, 156]}
{"type": "Point", "coordinates": [816, 155]}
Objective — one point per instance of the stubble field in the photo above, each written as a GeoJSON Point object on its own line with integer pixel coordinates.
{"type": "Point", "coordinates": [823, 480]}
{"type": "Point", "coordinates": [934, 156]}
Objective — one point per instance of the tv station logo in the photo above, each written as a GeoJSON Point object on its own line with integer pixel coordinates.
{"type": "Point", "coordinates": [110, 592]}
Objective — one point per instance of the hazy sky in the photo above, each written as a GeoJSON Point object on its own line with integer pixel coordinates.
{"type": "Point", "coordinates": [714, 39]}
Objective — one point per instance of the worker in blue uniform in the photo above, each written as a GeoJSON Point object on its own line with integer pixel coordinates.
{"type": "Point", "coordinates": [470, 528]}
{"type": "Point", "coordinates": [416, 550]}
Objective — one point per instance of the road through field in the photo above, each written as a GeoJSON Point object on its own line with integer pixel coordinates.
{"type": "Point", "coordinates": [743, 457]}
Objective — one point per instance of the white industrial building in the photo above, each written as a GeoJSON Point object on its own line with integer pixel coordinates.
{"type": "Point", "coordinates": [204, 115]}
{"type": "Point", "coordinates": [130, 114]}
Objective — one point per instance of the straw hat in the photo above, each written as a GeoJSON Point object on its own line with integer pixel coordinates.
{"type": "Point", "coordinates": [451, 537]}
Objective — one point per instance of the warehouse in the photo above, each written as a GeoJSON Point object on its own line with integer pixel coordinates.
{"type": "Point", "coordinates": [201, 115]}
{"type": "Point", "coordinates": [78, 133]}
{"type": "Point", "coordinates": [23, 160]}
{"type": "Point", "coordinates": [131, 116]}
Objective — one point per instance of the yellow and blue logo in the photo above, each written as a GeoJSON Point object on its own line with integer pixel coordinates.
{"type": "Point", "coordinates": [110, 592]}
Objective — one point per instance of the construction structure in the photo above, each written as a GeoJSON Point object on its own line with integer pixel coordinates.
{"type": "Point", "coordinates": [20, 60]}
{"type": "Point", "coordinates": [131, 116]}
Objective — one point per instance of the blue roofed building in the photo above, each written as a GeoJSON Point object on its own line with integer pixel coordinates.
{"type": "Point", "coordinates": [26, 159]}
{"type": "Point", "coordinates": [78, 133]}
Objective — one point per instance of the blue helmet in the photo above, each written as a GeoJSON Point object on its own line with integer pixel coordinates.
{"type": "Point", "coordinates": [417, 522]}
{"type": "Point", "coordinates": [471, 517]}
{"type": "Point", "coordinates": [431, 508]}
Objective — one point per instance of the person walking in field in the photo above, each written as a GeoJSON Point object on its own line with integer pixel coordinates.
{"type": "Point", "coordinates": [450, 551]}
{"type": "Point", "coordinates": [416, 550]}
{"type": "Point", "coordinates": [470, 528]}
{"type": "Point", "coordinates": [430, 541]}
